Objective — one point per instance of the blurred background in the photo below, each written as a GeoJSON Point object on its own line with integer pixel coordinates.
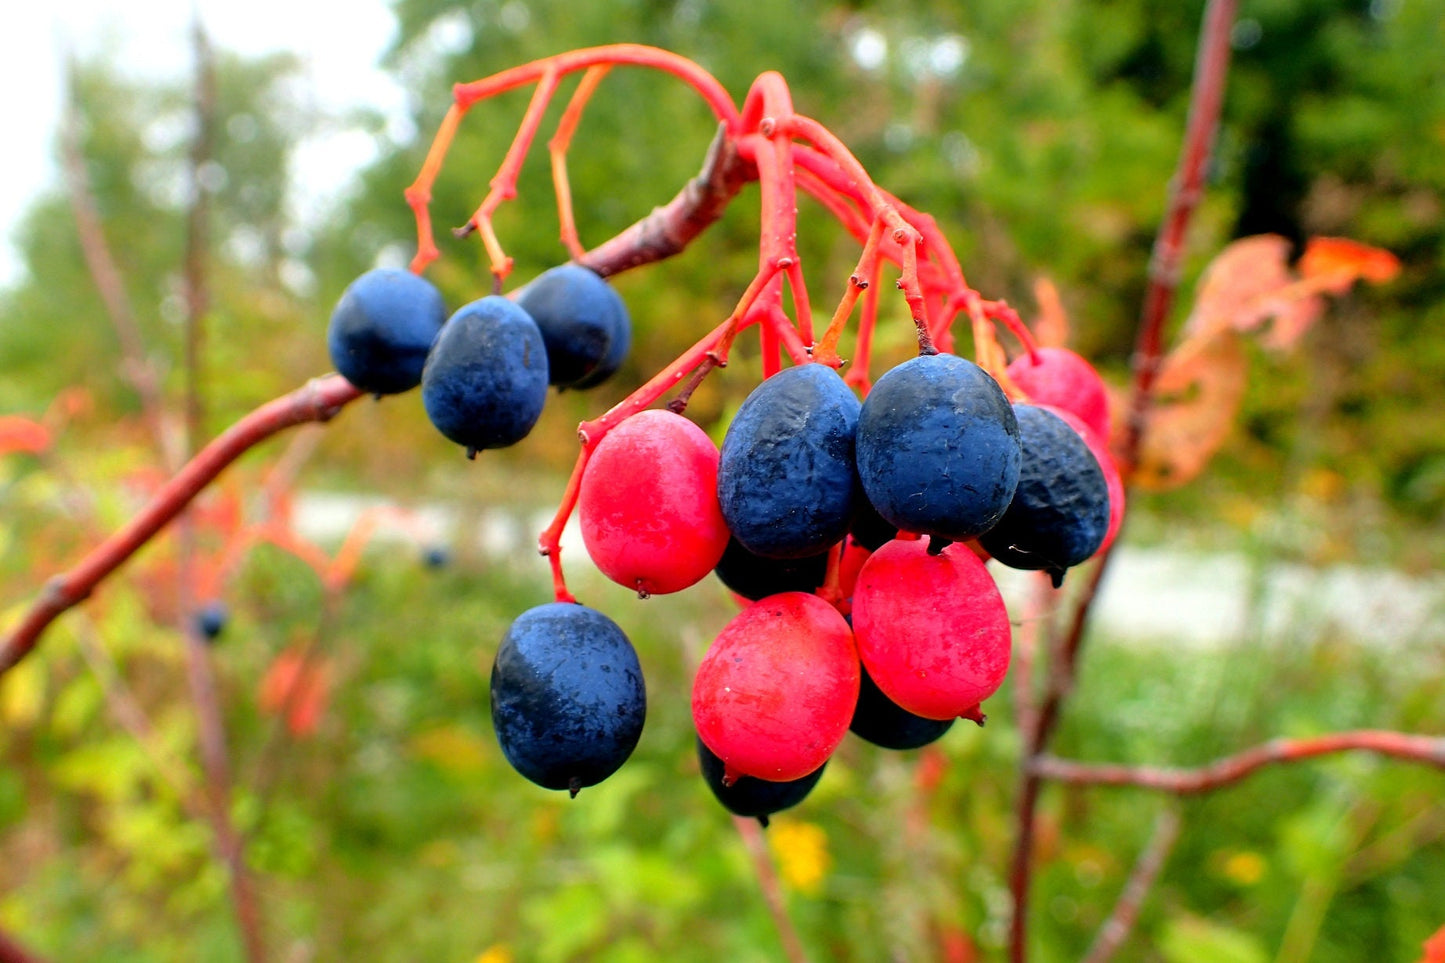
{"type": "Point", "coordinates": [386, 826]}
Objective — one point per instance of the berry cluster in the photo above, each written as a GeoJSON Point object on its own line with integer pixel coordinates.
{"type": "Point", "coordinates": [851, 519]}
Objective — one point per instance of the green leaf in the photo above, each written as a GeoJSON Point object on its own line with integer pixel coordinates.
{"type": "Point", "coordinates": [1189, 939]}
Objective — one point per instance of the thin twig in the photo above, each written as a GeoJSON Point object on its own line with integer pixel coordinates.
{"type": "Point", "coordinates": [1116, 929]}
{"type": "Point", "coordinates": [105, 274]}
{"type": "Point", "coordinates": [752, 834]}
{"type": "Point", "coordinates": [1429, 750]}
{"type": "Point", "coordinates": [1211, 66]}
{"type": "Point", "coordinates": [318, 400]}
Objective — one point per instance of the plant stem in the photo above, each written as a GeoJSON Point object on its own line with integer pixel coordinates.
{"type": "Point", "coordinates": [1115, 930]}
{"type": "Point", "coordinates": [1211, 66]}
{"type": "Point", "coordinates": [757, 846]}
{"type": "Point", "coordinates": [1429, 750]}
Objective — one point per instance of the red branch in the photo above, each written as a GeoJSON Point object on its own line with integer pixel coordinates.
{"type": "Point", "coordinates": [317, 400]}
{"type": "Point", "coordinates": [1429, 750]}
{"type": "Point", "coordinates": [1211, 66]}
{"type": "Point", "coordinates": [1115, 930]}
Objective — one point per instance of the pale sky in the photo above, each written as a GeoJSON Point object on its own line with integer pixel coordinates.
{"type": "Point", "coordinates": [340, 42]}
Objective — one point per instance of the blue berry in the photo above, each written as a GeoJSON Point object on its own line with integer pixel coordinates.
{"type": "Point", "coordinates": [583, 323]}
{"type": "Point", "coordinates": [756, 576]}
{"type": "Point", "coordinates": [211, 619]}
{"type": "Point", "coordinates": [382, 328]}
{"type": "Point", "coordinates": [1060, 512]}
{"type": "Point", "coordinates": [750, 796]}
{"type": "Point", "coordinates": [786, 478]}
{"type": "Point", "coordinates": [938, 447]}
{"type": "Point", "coordinates": [568, 700]}
{"type": "Point", "coordinates": [486, 378]}
{"type": "Point", "coordinates": [885, 723]}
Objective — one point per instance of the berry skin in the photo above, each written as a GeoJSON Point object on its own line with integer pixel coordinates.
{"type": "Point", "coordinates": [756, 576]}
{"type": "Point", "coordinates": [568, 700]}
{"type": "Point", "coordinates": [1062, 379]}
{"type": "Point", "coordinates": [382, 328]}
{"type": "Point", "coordinates": [938, 447]}
{"type": "Point", "coordinates": [584, 324]}
{"type": "Point", "coordinates": [786, 479]}
{"type": "Point", "coordinates": [1060, 512]}
{"type": "Point", "coordinates": [648, 504]}
{"type": "Point", "coordinates": [884, 723]}
{"type": "Point", "coordinates": [1099, 447]}
{"type": "Point", "coordinates": [747, 796]}
{"type": "Point", "coordinates": [485, 380]}
{"type": "Point", "coordinates": [776, 690]}
{"type": "Point", "coordinates": [211, 619]}
{"type": "Point", "coordinates": [932, 629]}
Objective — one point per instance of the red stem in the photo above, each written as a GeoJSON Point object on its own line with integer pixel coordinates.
{"type": "Point", "coordinates": [318, 400]}
{"type": "Point", "coordinates": [1206, 99]}
{"type": "Point", "coordinates": [1429, 750]}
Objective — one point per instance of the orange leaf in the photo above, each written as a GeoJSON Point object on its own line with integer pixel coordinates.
{"type": "Point", "coordinates": [1337, 262]}
{"type": "Point", "coordinates": [296, 689]}
{"type": "Point", "coordinates": [1051, 330]}
{"type": "Point", "coordinates": [22, 434]}
{"type": "Point", "coordinates": [1240, 276]}
{"type": "Point", "coordinates": [1435, 948]}
{"type": "Point", "coordinates": [1198, 393]}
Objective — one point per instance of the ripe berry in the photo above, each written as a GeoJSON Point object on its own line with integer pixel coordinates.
{"type": "Point", "coordinates": [648, 504]}
{"type": "Point", "coordinates": [883, 722]}
{"type": "Point", "coordinates": [938, 448]}
{"type": "Point", "coordinates": [774, 693]}
{"type": "Point", "coordinates": [211, 619]}
{"type": "Point", "coordinates": [382, 328]}
{"type": "Point", "coordinates": [786, 479]}
{"type": "Point", "coordinates": [932, 629]}
{"type": "Point", "coordinates": [1061, 378]}
{"type": "Point", "coordinates": [485, 379]}
{"type": "Point", "coordinates": [1060, 512]}
{"type": "Point", "coordinates": [568, 701]}
{"type": "Point", "coordinates": [1099, 447]}
{"type": "Point", "coordinates": [756, 576]}
{"type": "Point", "coordinates": [747, 796]}
{"type": "Point", "coordinates": [584, 324]}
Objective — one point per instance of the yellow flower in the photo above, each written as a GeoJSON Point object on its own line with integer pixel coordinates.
{"type": "Point", "coordinates": [801, 850]}
{"type": "Point", "coordinates": [1244, 868]}
{"type": "Point", "coordinates": [497, 953]}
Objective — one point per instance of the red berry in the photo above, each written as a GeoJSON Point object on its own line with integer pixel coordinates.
{"type": "Point", "coordinates": [1059, 377]}
{"type": "Point", "coordinates": [648, 504]}
{"type": "Point", "coordinates": [932, 630]}
{"type": "Point", "coordinates": [775, 693]}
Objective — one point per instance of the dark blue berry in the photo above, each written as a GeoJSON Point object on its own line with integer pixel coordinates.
{"type": "Point", "coordinates": [786, 478]}
{"type": "Point", "coordinates": [567, 696]}
{"type": "Point", "coordinates": [486, 378]}
{"type": "Point", "coordinates": [884, 723]}
{"type": "Point", "coordinates": [1060, 512]}
{"type": "Point", "coordinates": [938, 447]}
{"type": "Point", "coordinates": [749, 796]}
{"type": "Point", "coordinates": [584, 324]}
{"type": "Point", "coordinates": [382, 328]}
{"type": "Point", "coordinates": [211, 619]}
{"type": "Point", "coordinates": [756, 576]}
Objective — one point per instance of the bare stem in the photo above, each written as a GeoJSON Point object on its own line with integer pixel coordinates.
{"type": "Point", "coordinates": [772, 889]}
{"type": "Point", "coordinates": [318, 400]}
{"type": "Point", "coordinates": [1211, 66]}
{"type": "Point", "coordinates": [1429, 750]}
{"type": "Point", "coordinates": [1116, 929]}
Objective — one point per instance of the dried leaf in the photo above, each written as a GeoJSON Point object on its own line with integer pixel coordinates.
{"type": "Point", "coordinates": [1234, 292]}
{"type": "Point", "coordinates": [1051, 330]}
{"type": "Point", "coordinates": [1198, 394]}
{"type": "Point", "coordinates": [1335, 263]}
